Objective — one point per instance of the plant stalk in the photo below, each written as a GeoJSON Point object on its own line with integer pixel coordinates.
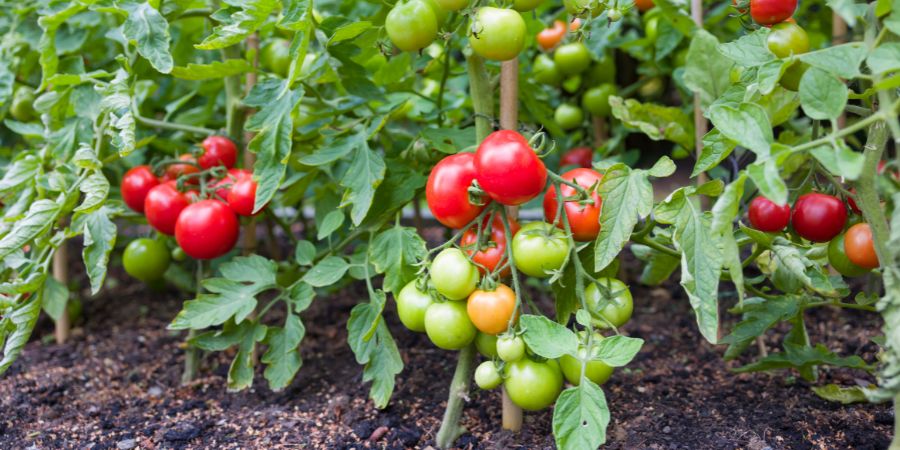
{"type": "Point", "coordinates": [192, 354]}
{"type": "Point", "coordinates": [61, 273]}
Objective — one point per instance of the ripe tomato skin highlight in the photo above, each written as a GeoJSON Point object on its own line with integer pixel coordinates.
{"type": "Point", "coordinates": [146, 259]}
{"type": "Point", "coordinates": [411, 306]}
{"type": "Point", "coordinates": [533, 385]}
{"type": "Point", "coordinates": [218, 150]}
{"type": "Point", "coordinates": [551, 37]}
{"type": "Point", "coordinates": [447, 190]}
{"type": "Point", "coordinates": [584, 220]}
{"type": "Point", "coordinates": [243, 196]}
{"type": "Point", "coordinates": [819, 217]}
{"type": "Point", "coordinates": [163, 205]}
{"type": "Point", "coordinates": [497, 34]}
{"type": "Point", "coordinates": [578, 156]}
{"type": "Point", "coordinates": [490, 311]}
{"type": "Point", "coordinates": [448, 326]}
{"type": "Point", "coordinates": [491, 256]}
{"type": "Point", "coordinates": [136, 183]}
{"type": "Point", "coordinates": [859, 246]}
{"type": "Point", "coordinates": [767, 216]}
{"type": "Point", "coordinates": [207, 229]}
{"type": "Point", "coordinates": [412, 25]}
{"type": "Point", "coordinates": [770, 12]}
{"type": "Point", "coordinates": [508, 169]}
{"type": "Point", "coordinates": [837, 257]}
{"type": "Point", "coordinates": [452, 275]}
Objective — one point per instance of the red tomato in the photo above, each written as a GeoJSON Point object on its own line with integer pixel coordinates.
{"type": "Point", "coordinates": [859, 246]}
{"type": "Point", "coordinates": [767, 216]}
{"type": "Point", "coordinates": [643, 5]}
{"type": "Point", "coordinates": [819, 217]}
{"type": "Point", "coordinates": [770, 12]}
{"type": "Point", "coordinates": [584, 220]}
{"type": "Point", "coordinates": [494, 251]}
{"type": "Point", "coordinates": [578, 156]}
{"type": "Point", "coordinates": [163, 205]}
{"type": "Point", "coordinates": [135, 185]}
{"type": "Point", "coordinates": [242, 196]}
{"type": "Point", "coordinates": [447, 191]}
{"type": "Point", "coordinates": [551, 37]}
{"type": "Point", "coordinates": [218, 150]}
{"type": "Point", "coordinates": [173, 171]}
{"type": "Point", "coordinates": [508, 169]}
{"type": "Point", "coordinates": [207, 229]}
{"type": "Point", "coordinates": [223, 186]}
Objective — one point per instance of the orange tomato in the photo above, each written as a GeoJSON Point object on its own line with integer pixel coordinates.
{"type": "Point", "coordinates": [859, 247]}
{"type": "Point", "coordinates": [551, 37]}
{"type": "Point", "coordinates": [575, 24]}
{"type": "Point", "coordinates": [643, 5]}
{"type": "Point", "coordinates": [490, 311]}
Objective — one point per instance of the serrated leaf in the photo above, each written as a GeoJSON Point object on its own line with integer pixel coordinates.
{"type": "Point", "coordinates": [716, 147]}
{"type": "Point", "coordinates": [238, 22]}
{"type": "Point", "coordinates": [374, 347]}
{"type": "Point", "coordinates": [768, 180]}
{"type": "Point", "coordinates": [750, 50]}
{"type": "Point", "coordinates": [40, 217]}
{"type": "Point", "coordinates": [213, 70]}
{"type": "Point", "coordinates": [839, 158]}
{"type": "Point", "coordinates": [617, 351]}
{"type": "Point", "coordinates": [701, 265]}
{"type": "Point", "coordinates": [627, 196]}
{"type": "Point", "coordinates": [54, 296]}
{"type": "Point", "coordinates": [240, 374]}
{"type": "Point", "coordinates": [349, 31]}
{"type": "Point", "coordinates": [95, 188]}
{"type": "Point", "coordinates": [99, 241]}
{"type": "Point", "coordinates": [706, 71]}
{"type": "Point", "coordinates": [842, 395]}
{"type": "Point", "coordinates": [365, 174]}
{"type": "Point", "coordinates": [656, 121]}
{"type": "Point", "coordinates": [149, 29]}
{"type": "Point", "coordinates": [282, 358]}
{"type": "Point", "coordinates": [580, 417]}
{"type": "Point", "coordinates": [747, 124]}
{"type": "Point", "coordinates": [841, 60]}
{"type": "Point", "coordinates": [18, 323]}
{"type": "Point", "coordinates": [21, 171]}
{"type": "Point", "coordinates": [394, 253]}
{"type": "Point", "coordinates": [548, 338]}
{"type": "Point", "coordinates": [802, 357]}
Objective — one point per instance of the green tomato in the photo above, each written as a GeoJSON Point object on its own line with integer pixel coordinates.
{"type": "Point", "coordinates": [510, 348]}
{"type": "Point", "coordinates": [411, 306]}
{"type": "Point", "coordinates": [453, 275]}
{"type": "Point", "coordinates": [617, 310]}
{"type": "Point", "coordinates": [652, 89]}
{"type": "Point", "coordinates": [22, 107]}
{"type": "Point", "coordinates": [680, 153]}
{"type": "Point", "coordinates": [568, 116]}
{"type": "Point", "coordinates": [486, 344]}
{"type": "Point", "coordinates": [411, 26]}
{"type": "Point", "coordinates": [544, 70]}
{"type": "Point", "coordinates": [525, 5]}
{"type": "Point", "coordinates": [583, 7]}
{"type": "Point", "coordinates": [452, 5]}
{"type": "Point", "coordinates": [439, 13]}
{"type": "Point", "coordinates": [837, 257]}
{"type": "Point", "coordinates": [787, 39]}
{"type": "Point", "coordinates": [572, 83]}
{"type": "Point", "coordinates": [146, 259]}
{"type": "Point", "coordinates": [603, 72]}
{"type": "Point", "coordinates": [539, 248]}
{"type": "Point", "coordinates": [487, 376]}
{"type": "Point", "coordinates": [448, 326]}
{"type": "Point", "coordinates": [651, 28]}
{"type": "Point", "coordinates": [572, 58]}
{"type": "Point", "coordinates": [596, 371]}
{"type": "Point", "coordinates": [596, 99]}
{"type": "Point", "coordinates": [791, 77]}
{"type": "Point", "coordinates": [178, 254]}
{"type": "Point", "coordinates": [275, 56]}
{"type": "Point", "coordinates": [533, 385]}
{"type": "Point", "coordinates": [497, 34]}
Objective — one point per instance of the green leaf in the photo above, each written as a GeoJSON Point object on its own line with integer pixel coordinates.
{"type": "Point", "coordinates": [768, 180]}
{"type": "Point", "coordinates": [664, 167]}
{"type": "Point", "coordinates": [841, 60]}
{"type": "Point", "coordinates": [21, 320]}
{"type": "Point", "coordinates": [21, 171]}
{"type": "Point", "coordinates": [822, 95]}
{"type": "Point", "coordinates": [282, 358]}
{"type": "Point", "coordinates": [548, 338]}
{"type": "Point", "coordinates": [99, 241]}
{"type": "Point", "coordinates": [627, 196]}
{"type": "Point", "coordinates": [240, 374]}
{"type": "Point", "coordinates": [117, 103]}
{"type": "Point", "coordinates": [374, 347]}
{"type": "Point", "coordinates": [885, 58]}
{"type": "Point", "coordinates": [617, 351]}
{"type": "Point", "coordinates": [54, 296]}
{"type": "Point", "coordinates": [747, 124]}
{"type": "Point", "coordinates": [750, 50]}
{"type": "Point", "coordinates": [146, 26]}
{"type": "Point", "coordinates": [840, 159]}
{"type": "Point", "coordinates": [40, 217]}
{"type": "Point", "coordinates": [759, 315]}
{"type": "Point", "coordinates": [768, 75]}
{"type": "Point", "coordinates": [849, 10]}
{"type": "Point", "coordinates": [349, 31]}
{"type": "Point", "coordinates": [842, 395]}
{"type": "Point", "coordinates": [656, 121]}
{"type": "Point", "coordinates": [237, 24]}
{"type": "Point", "coordinates": [701, 264]}
{"type": "Point", "coordinates": [296, 15]}
{"type": "Point", "coordinates": [300, 296]}
{"type": "Point", "coordinates": [802, 357]}
{"type": "Point", "coordinates": [364, 175]}
{"type": "Point", "coordinates": [327, 272]}
{"type": "Point", "coordinates": [332, 221]}
{"type": "Point", "coordinates": [304, 253]}
{"type": "Point", "coordinates": [448, 140]}
{"type": "Point", "coordinates": [394, 253]}
{"type": "Point", "coordinates": [716, 147]}
{"type": "Point", "coordinates": [706, 71]}
{"type": "Point", "coordinates": [580, 417]}
{"type": "Point", "coordinates": [95, 189]}
{"type": "Point", "coordinates": [658, 267]}
{"type": "Point", "coordinates": [49, 59]}
{"type": "Point", "coordinates": [213, 70]}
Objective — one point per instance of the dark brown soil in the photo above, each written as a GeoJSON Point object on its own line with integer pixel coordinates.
{"type": "Point", "coordinates": [116, 384]}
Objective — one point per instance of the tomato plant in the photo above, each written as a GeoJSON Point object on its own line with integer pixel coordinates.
{"type": "Point", "coordinates": [207, 229]}
{"type": "Point", "coordinates": [497, 34]}
{"type": "Point", "coordinates": [765, 215]}
{"type": "Point", "coordinates": [507, 168]}
{"type": "Point", "coordinates": [146, 259]}
{"type": "Point", "coordinates": [818, 217]}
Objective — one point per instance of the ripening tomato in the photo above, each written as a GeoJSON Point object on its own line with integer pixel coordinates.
{"type": "Point", "coordinates": [411, 26]}
{"type": "Point", "coordinates": [448, 326]}
{"type": "Point", "coordinates": [787, 39]}
{"type": "Point", "coordinates": [544, 70]}
{"type": "Point", "coordinates": [510, 348]}
{"type": "Point", "coordinates": [837, 257]}
{"type": "Point", "coordinates": [136, 183]}
{"type": "Point", "coordinates": [497, 34]}
{"type": "Point", "coordinates": [218, 151]}
{"type": "Point", "coordinates": [578, 156]}
{"type": "Point", "coordinates": [163, 205]}
{"type": "Point", "coordinates": [539, 248]}
{"type": "Point", "coordinates": [612, 303]}
{"type": "Point", "coordinates": [767, 216]}
{"type": "Point", "coordinates": [859, 246]}
{"type": "Point", "coordinates": [508, 169]}
{"type": "Point", "coordinates": [572, 58]}
{"type": "Point", "coordinates": [770, 12]}
{"type": "Point", "coordinates": [453, 275]}
{"type": "Point", "coordinates": [447, 190]}
{"type": "Point", "coordinates": [22, 106]}
{"type": "Point", "coordinates": [411, 306]}
{"type": "Point", "coordinates": [584, 219]}
{"type": "Point", "coordinates": [173, 171]}
{"type": "Point", "coordinates": [207, 229]}
{"type": "Point", "coordinates": [533, 385]}
{"type": "Point", "coordinates": [551, 37]}
{"type": "Point", "coordinates": [491, 311]}
{"type": "Point", "coordinates": [146, 259]}
{"type": "Point", "coordinates": [489, 256]}
{"type": "Point", "coordinates": [487, 376]}
{"type": "Point", "coordinates": [819, 217]}
{"type": "Point", "coordinates": [243, 196]}
{"type": "Point", "coordinates": [596, 99]}
{"type": "Point", "coordinates": [574, 25]}
{"type": "Point", "coordinates": [643, 5]}
{"type": "Point", "coordinates": [568, 116]}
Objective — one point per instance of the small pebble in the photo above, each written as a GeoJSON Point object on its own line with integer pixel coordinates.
{"type": "Point", "coordinates": [126, 444]}
{"type": "Point", "coordinates": [667, 429]}
{"type": "Point", "coordinates": [155, 391]}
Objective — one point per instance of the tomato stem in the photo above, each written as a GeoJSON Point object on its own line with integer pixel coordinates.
{"type": "Point", "coordinates": [191, 353]}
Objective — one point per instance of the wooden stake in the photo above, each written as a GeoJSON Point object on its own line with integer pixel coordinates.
{"type": "Point", "coordinates": [600, 131]}
{"type": "Point", "coordinates": [61, 273]}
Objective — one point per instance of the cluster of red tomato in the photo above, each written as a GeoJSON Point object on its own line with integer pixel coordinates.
{"type": "Point", "coordinates": [203, 219]}
{"type": "Point", "coordinates": [787, 39]}
{"type": "Point", "coordinates": [819, 217]}
{"type": "Point", "coordinates": [454, 306]}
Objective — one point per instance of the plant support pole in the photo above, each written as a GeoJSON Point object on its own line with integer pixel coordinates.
{"type": "Point", "coordinates": [61, 273]}
{"type": "Point", "coordinates": [483, 104]}
{"type": "Point", "coordinates": [509, 118]}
